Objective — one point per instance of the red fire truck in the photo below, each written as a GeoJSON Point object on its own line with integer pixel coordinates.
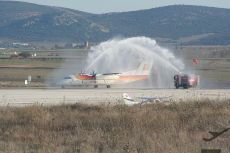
{"type": "Point", "coordinates": [186, 80]}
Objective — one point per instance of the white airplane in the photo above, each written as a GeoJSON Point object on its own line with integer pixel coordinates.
{"type": "Point", "coordinates": [108, 79]}
{"type": "Point", "coordinates": [143, 100]}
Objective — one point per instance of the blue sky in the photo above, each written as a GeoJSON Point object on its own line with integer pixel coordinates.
{"type": "Point", "coordinates": [105, 6]}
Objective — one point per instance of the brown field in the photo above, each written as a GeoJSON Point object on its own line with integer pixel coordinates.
{"type": "Point", "coordinates": [50, 63]}
{"type": "Point", "coordinates": [13, 72]}
{"type": "Point", "coordinates": [157, 128]}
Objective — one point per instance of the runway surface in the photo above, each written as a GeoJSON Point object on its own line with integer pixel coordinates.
{"type": "Point", "coordinates": [23, 97]}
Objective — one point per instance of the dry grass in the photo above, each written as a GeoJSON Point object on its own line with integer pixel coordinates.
{"type": "Point", "coordinates": [157, 128]}
{"type": "Point", "coordinates": [39, 70]}
{"type": "Point", "coordinates": [52, 63]}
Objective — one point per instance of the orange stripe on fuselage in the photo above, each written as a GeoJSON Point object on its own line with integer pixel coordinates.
{"type": "Point", "coordinates": [133, 77]}
{"type": "Point", "coordinates": [85, 77]}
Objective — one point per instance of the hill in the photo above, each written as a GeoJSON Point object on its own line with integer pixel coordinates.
{"type": "Point", "coordinates": [172, 24]}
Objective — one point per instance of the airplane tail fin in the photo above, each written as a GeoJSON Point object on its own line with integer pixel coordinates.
{"type": "Point", "coordinates": [144, 68]}
{"type": "Point", "coordinates": [129, 101]}
{"type": "Point", "coordinates": [127, 97]}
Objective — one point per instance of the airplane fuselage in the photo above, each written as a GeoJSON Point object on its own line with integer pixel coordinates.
{"type": "Point", "coordinates": [139, 74]}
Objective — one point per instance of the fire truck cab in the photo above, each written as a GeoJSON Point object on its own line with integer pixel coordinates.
{"type": "Point", "coordinates": [186, 80]}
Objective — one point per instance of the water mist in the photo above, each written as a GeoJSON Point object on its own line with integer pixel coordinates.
{"type": "Point", "coordinates": [121, 55]}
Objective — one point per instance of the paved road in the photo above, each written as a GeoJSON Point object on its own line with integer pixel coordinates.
{"type": "Point", "coordinates": [22, 97]}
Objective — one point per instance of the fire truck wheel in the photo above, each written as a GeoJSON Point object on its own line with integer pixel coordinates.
{"type": "Point", "coordinates": [177, 86]}
{"type": "Point", "coordinates": [185, 87]}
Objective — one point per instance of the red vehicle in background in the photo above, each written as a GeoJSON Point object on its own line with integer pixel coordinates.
{"type": "Point", "coordinates": [186, 80]}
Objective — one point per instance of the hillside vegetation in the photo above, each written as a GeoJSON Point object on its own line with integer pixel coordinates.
{"type": "Point", "coordinates": [173, 24]}
{"type": "Point", "coordinates": [78, 128]}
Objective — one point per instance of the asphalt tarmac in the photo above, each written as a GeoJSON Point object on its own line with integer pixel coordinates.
{"type": "Point", "coordinates": [24, 97]}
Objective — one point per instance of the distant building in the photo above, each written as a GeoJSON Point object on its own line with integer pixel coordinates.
{"type": "Point", "coordinates": [86, 45]}
{"type": "Point", "coordinates": [20, 44]}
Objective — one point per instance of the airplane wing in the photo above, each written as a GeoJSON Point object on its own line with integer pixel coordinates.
{"type": "Point", "coordinates": [143, 100]}
{"type": "Point", "coordinates": [147, 99]}
{"type": "Point", "coordinates": [153, 99]}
